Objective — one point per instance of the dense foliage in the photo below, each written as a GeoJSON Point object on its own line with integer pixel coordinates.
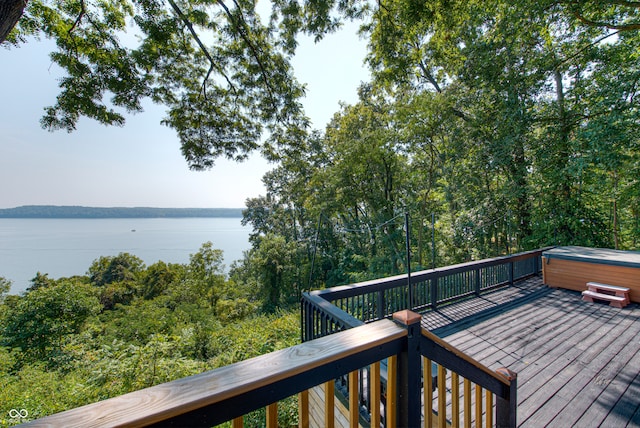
{"type": "Point", "coordinates": [511, 124]}
{"type": "Point", "coordinates": [497, 125]}
{"type": "Point", "coordinates": [125, 326]}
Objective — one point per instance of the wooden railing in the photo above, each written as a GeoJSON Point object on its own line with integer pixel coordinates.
{"type": "Point", "coordinates": [338, 308]}
{"type": "Point", "coordinates": [227, 393]}
{"type": "Point", "coordinates": [400, 346]}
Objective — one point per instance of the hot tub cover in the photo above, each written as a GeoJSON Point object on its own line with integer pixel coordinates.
{"type": "Point", "coordinates": [594, 255]}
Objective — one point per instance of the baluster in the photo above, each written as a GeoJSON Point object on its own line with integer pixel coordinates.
{"type": "Point", "coordinates": [434, 292]}
{"type": "Point", "coordinates": [303, 409]}
{"type": "Point", "coordinates": [353, 399]}
{"type": "Point", "coordinates": [323, 324]}
{"type": "Point", "coordinates": [478, 406]}
{"type": "Point", "coordinates": [363, 393]}
{"type": "Point", "coordinates": [427, 375]}
{"type": "Point", "coordinates": [442, 396]}
{"type": "Point", "coordinates": [455, 400]}
{"type": "Point", "coordinates": [272, 415]}
{"type": "Point", "coordinates": [329, 404]}
{"type": "Point", "coordinates": [392, 391]}
{"type": "Point", "coordinates": [374, 386]}
{"type": "Point", "coordinates": [511, 273]}
{"type": "Point", "coordinates": [489, 408]}
{"type": "Point", "coordinates": [467, 403]}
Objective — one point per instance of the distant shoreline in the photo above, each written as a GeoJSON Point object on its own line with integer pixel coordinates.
{"type": "Point", "coordinates": [56, 211]}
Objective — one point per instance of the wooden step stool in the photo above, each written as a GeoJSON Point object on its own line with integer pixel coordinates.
{"type": "Point", "coordinates": [617, 297]}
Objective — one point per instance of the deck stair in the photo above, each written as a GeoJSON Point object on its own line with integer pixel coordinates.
{"type": "Point", "coordinates": [617, 297]}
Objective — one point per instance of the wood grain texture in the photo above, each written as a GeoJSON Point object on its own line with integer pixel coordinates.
{"type": "Point", "coordinates": [329, 404]}
{"type": "Point", "coordinates": [392, 391]}
{"type": "Point", "coordinates": [353, 400]}
{"type": "Point", "coordinates": [427, 377]}
{"type": "Point", "coordinates": [163, 401]}
{"type": "Point", "coordinates": [303, 409]}
{"type": "Point", "coordinates": [489, 408]}
{"type": "Point", "coordinates": [576, 362]}
{"type": "Point", "coordinates": [272, 415]}
{"type": "Point", "coordinates": [467, 403]}
{"type": "Point", "coordinates": [465, 357]}
{"type": "Point", "coordinates": [455, 400]}
{"type": "Point", "coordinates": [376, 384]}
{"type": "Point", "coordinates": [478, 390]}
{"type": "Point", "coordinates": [442, 396]}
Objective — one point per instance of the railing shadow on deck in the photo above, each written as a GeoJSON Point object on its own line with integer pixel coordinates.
{"type": "Point", "coordinates": [335, 309]}
{"type": "Point", "coordinates": [528, 295]}
{"type": "Point", "coordinates": [228, 393]}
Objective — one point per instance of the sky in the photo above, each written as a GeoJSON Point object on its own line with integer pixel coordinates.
{"type": "Point", "coordinates": [140, 164]}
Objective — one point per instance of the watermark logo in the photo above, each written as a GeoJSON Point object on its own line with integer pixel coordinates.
{"type": "Point", "coordinates": [18, 414]}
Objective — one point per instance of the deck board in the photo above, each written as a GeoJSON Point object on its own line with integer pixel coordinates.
{"type": "Point", "coordinates": [609, 387]}
{"type": "Point", "coordinates": [577, 362]}
{"type": "Point", "coordinates": [585, 382]}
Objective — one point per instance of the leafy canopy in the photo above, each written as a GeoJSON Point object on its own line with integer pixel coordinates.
{"type": "Point", "coordinates": [222, 69]}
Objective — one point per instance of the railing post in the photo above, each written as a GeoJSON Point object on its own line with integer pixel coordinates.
{"type": "Point", "coordinates": [506, 408]}
{"type": "Point", "coordinates": [511, 273]}
{"type": "Point", "coordinates": [478, 284]}
{"type": "Point", "coordinates": [434, 291]}
{"type": "Point", "coordinates": [409, 368]}
{"type": "Point", "coordinates": [323, 325]}
{"type": "Point", "coordinates": [381, 311]}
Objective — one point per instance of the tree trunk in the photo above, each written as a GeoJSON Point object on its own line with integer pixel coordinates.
{"type": "Point", "coordinates": [562, 194]}
{"type": "Point", "coordinates": [10, 13]}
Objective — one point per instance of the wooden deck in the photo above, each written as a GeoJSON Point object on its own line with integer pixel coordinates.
{"type": "Point", "coordinates": [578, 363]}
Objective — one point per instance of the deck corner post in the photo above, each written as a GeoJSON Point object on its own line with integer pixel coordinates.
{"type": "Point", "coordinates": [506, 407]}
{"type": "Point", "coordinates": [409, 410]}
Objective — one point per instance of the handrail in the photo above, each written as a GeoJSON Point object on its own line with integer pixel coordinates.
{"type": "Point", "coordinates": [342, 291]}
{"type": "Point", "coordinates": [225, 393]}
{"type": "Point", "coordinates": [502, 383]}
{"type": "Point", "coordinates": [230, 392]}
{"type": "Point", "coordinates": [452, 358]}
{"type": "Point", "coordinates": [330, 318]}
{"type": "Point", "coordinates": [377, 299]}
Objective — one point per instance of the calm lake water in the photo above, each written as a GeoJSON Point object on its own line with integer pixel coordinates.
{"type": "Point", "coordinates": [66, 247]}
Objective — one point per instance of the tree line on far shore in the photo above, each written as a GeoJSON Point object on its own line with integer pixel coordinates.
{"type": "Point", "coordinates": [54, 211]}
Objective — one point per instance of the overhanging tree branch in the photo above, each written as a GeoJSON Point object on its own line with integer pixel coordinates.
{"type": "Point", "coordinates": [621, 27]}
{"type": "Point", "coordinates": [576, 11]}
{"type": "Point", "coordinates": [203, 48]}
{"type": "Point", "coordinates": [241, 28]}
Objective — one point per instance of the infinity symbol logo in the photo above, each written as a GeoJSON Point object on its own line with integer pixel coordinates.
{"type": "Point", "coordinates": [18, 413]}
